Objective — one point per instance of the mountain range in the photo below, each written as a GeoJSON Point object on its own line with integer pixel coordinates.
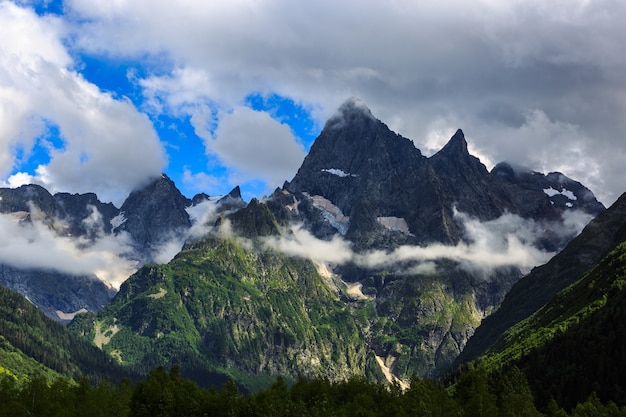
{"type": "Point", "coordinates": [374, 260]}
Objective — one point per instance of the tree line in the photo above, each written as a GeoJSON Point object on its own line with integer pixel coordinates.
{"type": "Point", "coordinates": [165, 393]}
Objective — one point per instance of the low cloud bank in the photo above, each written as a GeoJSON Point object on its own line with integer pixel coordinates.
{"type": "Point", "coordinates": [509, 240]}
{"type": "Point", "coordinates": [37, 244]}
{"type": "Point", "coordinates": [506, 241]}
{"type": "Point", "coordinates": [33, 240]}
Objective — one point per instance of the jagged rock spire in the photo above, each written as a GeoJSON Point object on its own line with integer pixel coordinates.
{"type": "Point", "coordinates": [456, 146]}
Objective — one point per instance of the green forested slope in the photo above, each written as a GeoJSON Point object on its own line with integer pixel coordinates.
{"type": "Point", "coordinates": [576, 343]}
{"type": "Point", "coordinates": [228, 304]}
{"type": "Point", "coordinates": [533, 291]}
{"type": "Point", "coordinates": [31, 342]}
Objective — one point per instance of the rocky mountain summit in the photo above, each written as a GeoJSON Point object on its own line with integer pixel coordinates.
{"type": "Point", "coordinates": [373, 188]}
{"type": "Point", "coordinates": [368, 179]}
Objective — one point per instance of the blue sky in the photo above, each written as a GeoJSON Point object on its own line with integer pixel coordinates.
{"type": "Point", "coordinates": [100, 96]}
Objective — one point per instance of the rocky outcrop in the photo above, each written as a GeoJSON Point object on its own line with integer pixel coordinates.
{"type": "Point", "coordinates": [367, 171]}
{"type": "Point", "coordinates": [59, 296]}
{"type": "Point", "coordinates": [85, 214]}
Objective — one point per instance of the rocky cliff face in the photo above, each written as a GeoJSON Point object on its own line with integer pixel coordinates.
{"type": "Point", "coordinates": [58, 295]}
{"type": "Point", "coordinates": [365, 171]}
{"type": "Point", "coordinates": [152, 216]}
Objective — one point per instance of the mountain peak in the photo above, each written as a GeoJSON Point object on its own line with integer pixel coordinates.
{"type": "Point", "coordinates": [355, 105]}
{"type": "Point", "coordinates": [352, 110]}
{"type": "Point", "coordinates": [154, 213]}
{"type": "Point", "coordinates": [235, 193]}
{"type": "Point", "coordinates": [254, 220]}
{"type": "Point", "coordinates": [232, 200]}
{"type": "Point", "coordinates": [457, 145]}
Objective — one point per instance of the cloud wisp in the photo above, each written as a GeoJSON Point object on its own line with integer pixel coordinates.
{"type": "Point", "coordinates": [503, 242]}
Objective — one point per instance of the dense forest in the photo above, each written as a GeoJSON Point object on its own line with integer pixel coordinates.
{"type": "Point", "coordinates": [166, 393]}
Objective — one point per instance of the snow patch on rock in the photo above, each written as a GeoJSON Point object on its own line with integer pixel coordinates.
{"type": "Point", "coordinates": [339, 173]}
{"type": "Point", "coordinates": [551, 192]}
{"type": "Point", "coordinates": [332, 214]}
{"type": "Point", "coordinates": [397, 224]}
{"type": "Point", "coordinates": [118, 220]}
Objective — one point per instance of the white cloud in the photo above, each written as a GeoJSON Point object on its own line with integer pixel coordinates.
{"type": "Point", "coordinates": [18, 179]}
{"type": "Point", "coordinates": [303, 244]}
{"type": "Point", "coordinates": [511, 71]}
{"type": "Point", "coordinates": [454, 64]}
{"type": "Point", "coordinates": [545, 145]}
{"type": "Point", "coordinates": [35, 245]}
{"type": "Point", "coordinates": [252, 144]}
{"type": "Point", "coordinates": [108, 146]}
{"type": "Point", "coordinates": [200, 181]}
{"type": "Point", "coordinates": [506, 241]}
{"type": "Point", "coordinates": [255, 146]}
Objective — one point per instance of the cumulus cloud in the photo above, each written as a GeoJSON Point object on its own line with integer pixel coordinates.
{"type": "Point", "coordinates": [256, 146]}
{"type": "Point", "coordinates": [554, 145]}
{"type": "Point", "coordinates": [34, 244]}
{"type": "Point", "coordinates": [252, 144]}
{"type": "Point", "coordinates": [107, 145]}
{"type": "Point", "coordinates": [199, 181]}
{"type": "Point", "coordinates": [506, 241]}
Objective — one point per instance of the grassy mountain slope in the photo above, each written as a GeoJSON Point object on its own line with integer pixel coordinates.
{"type": "Point", "coordinates": [236, 310]}
{"type": "Point", "coordinates": [576, 343]}
{"type": "Point", "coordinates": [233, 306]}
